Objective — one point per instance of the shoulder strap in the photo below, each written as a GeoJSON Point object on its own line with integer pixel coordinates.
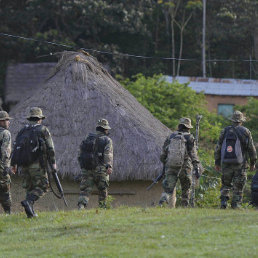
{"type": "Point", "coordinates": [240, 136]}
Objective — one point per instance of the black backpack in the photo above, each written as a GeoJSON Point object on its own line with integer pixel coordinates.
{"type": "Point", "coordinates": [254, 190]}
{"type": "Point", "coordinates": [27, 146]}
{"type": "Point", "coordinates": [88, 148]}
{"type": "Point", "coordinates": [232, 147]}
{"type": "Point", "coordinates": [92, 151]}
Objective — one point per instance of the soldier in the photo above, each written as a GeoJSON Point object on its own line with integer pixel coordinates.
{"type": "Point", "coordinates": [5, 180]}
{"type": "Point", "coordinates": [96, 161]}
{"type": "Point", "coordinates": [234, 147]}
{"type": "Point", "coordinates": [35, 179]}
{"type": "Point", "coordinates": [179, 156]}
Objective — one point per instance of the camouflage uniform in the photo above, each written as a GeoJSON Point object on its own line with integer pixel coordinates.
{"type": "Point", "coordinates": [35, 178]}
{"type": "Point", "coordinates": [5, 180]}
{"type": "Point", "coordinates": [98, 176]}
{"type": "Point", "coordinates": [235, 175]}
{"type": "Point", "coordinates": [184, 175]}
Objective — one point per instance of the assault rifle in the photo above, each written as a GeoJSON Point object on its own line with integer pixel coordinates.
{"type": "Point", "coordinates": [157, 179]}
{"type": "Point", "coordinates": [195, 173]}
{"type": "Point", "coordinates": [57, 182]}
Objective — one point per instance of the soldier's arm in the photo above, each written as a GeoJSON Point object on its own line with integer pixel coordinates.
{"type": "Point", "coordinates": [164, 153]}
{"type": "Point", "coordinates": [217, 153]}
{"type": "Point", "coordinates": [192, 151]}
{"type": "Point", "coordinates": [251, 149]}
{"type": "Point", "coordinates": [6, 149]}
{"type": "Point", "coordinates": [108, 153]}
{"type": "Point", "coordinates": [49, 145]}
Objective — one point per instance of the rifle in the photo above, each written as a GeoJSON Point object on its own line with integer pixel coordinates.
{"type": "Point", "coordinates": [157, 179]}
{"type": "Point", "coordinates": [44, 159]}
{"type": "Point", "coordinates": [194, 174]}
{"type": "Point", "coordinates": [57, 181]}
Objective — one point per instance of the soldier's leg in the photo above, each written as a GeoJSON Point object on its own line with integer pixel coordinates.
{"type": "Point", "coordinates": [5, 194]}
{"type": "Point", "coordinates": [38, 184]}
{"type": "Point", "coordinates": [86, 186]}
{"type": "Point", "coordinates": [186, 182]}
{"type": "Point", "coordinates": [169, 184]}
{"type": "Point", "coordinates": [227, 177]}
{"type": "Point", "coordinates": [239, 181]}
{"type": "Point", "coordinates": [102, 183]}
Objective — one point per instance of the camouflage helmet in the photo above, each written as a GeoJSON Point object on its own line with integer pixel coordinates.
{"type": "Point", "coordinates": [238, 117]}
{"type": "Point", "coordinates": [103, 123]}
{"type": "Point", "coordinates": [35, 112]}
{"type": "Point", "coordinates": [186, 122]}
{"type": "Point", "coordinates": [4, 116]}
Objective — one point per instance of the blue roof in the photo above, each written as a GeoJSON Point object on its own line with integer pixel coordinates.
{"type": "Point", "coordinates": [215, 86]}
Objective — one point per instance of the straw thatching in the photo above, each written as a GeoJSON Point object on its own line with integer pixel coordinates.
{"type": "Point", "coordinates": [77, 94]}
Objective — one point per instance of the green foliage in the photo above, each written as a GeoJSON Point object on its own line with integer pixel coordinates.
{"type": "Point", "coordinates": [170, 101]}
{"type": "Point", "coordinates": [251, 112]}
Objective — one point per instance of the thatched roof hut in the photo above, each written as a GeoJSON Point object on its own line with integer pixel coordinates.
{"type": "Point", "coordinates": [77, 94]}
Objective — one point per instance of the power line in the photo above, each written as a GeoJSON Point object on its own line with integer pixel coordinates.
{"type": "Point", "coordinates": [120, 54]}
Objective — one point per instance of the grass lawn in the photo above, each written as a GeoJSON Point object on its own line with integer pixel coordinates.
{"type": "Point", "coordinates": [131, 232]}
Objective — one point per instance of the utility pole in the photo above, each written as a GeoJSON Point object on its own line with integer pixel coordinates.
{"type": "Point", "coordinates": [204, 39]}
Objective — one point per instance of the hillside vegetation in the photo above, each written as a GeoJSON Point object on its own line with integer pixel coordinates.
{"type": "Point", "coordinates": [131, 232]}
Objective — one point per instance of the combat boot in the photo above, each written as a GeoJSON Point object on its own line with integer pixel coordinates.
{"type": "Point", "coordinates": [81, 206]}
{"type": "Point", "coordinates": [223, 203]}
{"type": "Point", "coordinates": [28, 209]}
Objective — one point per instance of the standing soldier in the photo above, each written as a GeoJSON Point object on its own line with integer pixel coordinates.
{"type": "Point", "coordinates": [5, 181]}
{"type": "Point", "coordinates": [179, 156]}
{"type": "Point", "coordinates": [28, 155]}
{"type": "Point", "coordinates": [233, 149]}
{"type": "Point", "coordinates": [96, 162]}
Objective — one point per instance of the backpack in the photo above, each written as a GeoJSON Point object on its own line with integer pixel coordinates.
{"type": "Point", "coordinates": [254, 190]}
{"type": "Point", "coordinates": [231, 150]}
{"type": "Point", "coordinates": [176, 150]}
{"type": "Point", "coordinates": [27, 146]}
{"type": "Point", "coordinates": [92, 151]}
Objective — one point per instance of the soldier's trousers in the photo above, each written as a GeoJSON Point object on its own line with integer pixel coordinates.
{"type": "Point", "coordinates": [35, 181]}
{"type": "Point", "coordinates": [233, 176]}
{"type": "Point", "coordinates": [5, 194]}
{"type": "Point", "coordinates": [90, 178]}
{"type": "Point", "coordinates": [169, 184]}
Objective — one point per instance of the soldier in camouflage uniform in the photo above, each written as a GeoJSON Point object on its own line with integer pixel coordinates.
{"type": "Point", "coordinates": [234, 175]}
{"type": "Point", "coordinates": [184, 174]}
{"type": "Point", "coordinates": [35, 179]}
{"type": "Point", "coordinates": [5, 180]}
{"type": "Point", "coordinates": [100, 175]}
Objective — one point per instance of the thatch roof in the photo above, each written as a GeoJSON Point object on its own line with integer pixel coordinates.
{"type": "Point", "coordinates": [23, 80]}
{"type": "Point", "coordinates": [77, 94]}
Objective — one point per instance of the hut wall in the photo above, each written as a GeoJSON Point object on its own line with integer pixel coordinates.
{"type": "Point", "coordinates": [126, 193]}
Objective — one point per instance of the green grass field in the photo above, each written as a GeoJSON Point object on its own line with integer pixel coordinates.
{"type": "Point", "coordinates": [131, 232]}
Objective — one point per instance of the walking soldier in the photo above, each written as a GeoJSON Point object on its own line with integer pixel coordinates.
{"type": "Point", "coordinates": [96, 162]}
{"type": "Point", "coordinates": [235, 146]}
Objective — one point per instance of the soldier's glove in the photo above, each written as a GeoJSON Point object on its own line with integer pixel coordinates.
{"type": "Point", "coordinates": [197, 172]}
{"type": "Point", "coordinates": [7, 171]}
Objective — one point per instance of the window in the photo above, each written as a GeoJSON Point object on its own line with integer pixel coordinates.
{"type": "Point", "coordinates": [226, 110]}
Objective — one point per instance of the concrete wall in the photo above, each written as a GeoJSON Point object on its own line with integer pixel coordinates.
{"type": "Point", "coordinates": [214, 100]}
{"type": "Point", "coordinates": [128, 193]}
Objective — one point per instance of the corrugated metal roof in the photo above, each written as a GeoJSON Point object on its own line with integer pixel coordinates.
{"type": "Point", "coordinates": [215, 86]}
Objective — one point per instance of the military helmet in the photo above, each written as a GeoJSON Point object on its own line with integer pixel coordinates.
{"type": "Point", "coordinates": [186, 122]}
{"type": "Point", "coordinates": [35, 112]}
{"type": "Point", "coordinates": [238, 117]}
{"type": "Point", "coordinates": [4, 116]}
{"type": "Point", "coordinates": [103, 123]}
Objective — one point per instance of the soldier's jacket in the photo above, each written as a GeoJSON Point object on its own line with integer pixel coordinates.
{"type": "Point", "coordinates": [249, 150]}
{"type": "Point", "coordinates": [191, 156]}
{"type": "Point", "coordinates": [46, 136]}
{"type": "Point", "coordinates": [5, 143]}
{"type": "Point", "coordinates": [108, 150]}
